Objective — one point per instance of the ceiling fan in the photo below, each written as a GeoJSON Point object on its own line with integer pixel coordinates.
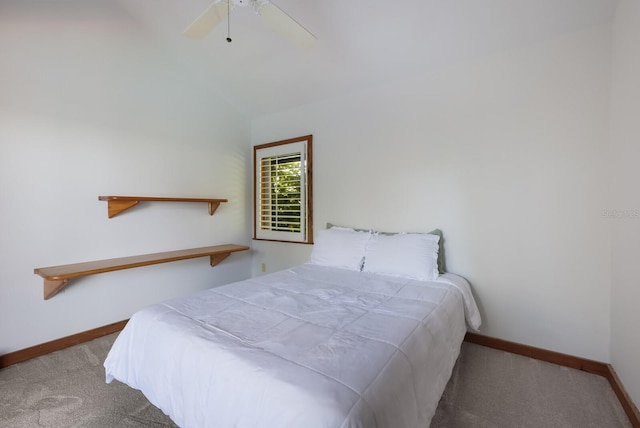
{"type": "Point", "coordinates": [271, 14]}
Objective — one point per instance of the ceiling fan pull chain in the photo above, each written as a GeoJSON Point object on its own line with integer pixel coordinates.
{"type": "Point", "coordinates": [229, 21]}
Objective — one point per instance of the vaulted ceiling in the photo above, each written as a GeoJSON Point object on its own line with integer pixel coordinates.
{"type": "Point", "coordinates": [360, 43]}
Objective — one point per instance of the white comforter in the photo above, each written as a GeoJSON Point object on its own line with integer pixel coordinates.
{"type": "Point", "coordinates": [306, 347]}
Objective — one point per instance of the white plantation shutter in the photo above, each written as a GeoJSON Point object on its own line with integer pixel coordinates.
{"type": "Point", "coordinates": [281, 185]}
{"type": "Point", "coordinates": [281, 193]}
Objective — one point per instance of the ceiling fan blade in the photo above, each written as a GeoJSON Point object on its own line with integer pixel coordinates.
{"type": "Point", "coordinates": [277, 19]}
{"type": "Point", "coordinates": [209, 19]}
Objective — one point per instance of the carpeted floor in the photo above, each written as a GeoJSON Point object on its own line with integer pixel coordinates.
{"type": "Point", "coordinates": [488, 388]}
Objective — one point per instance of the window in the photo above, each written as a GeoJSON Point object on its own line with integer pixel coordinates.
{"type": "Point", "coordinates": [282, 191]}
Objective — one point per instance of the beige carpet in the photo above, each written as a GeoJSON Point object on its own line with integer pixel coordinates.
{"type": "Point", "coordinates": [488, 388]}
{"type": "Point", "coordinates": [491, 388]}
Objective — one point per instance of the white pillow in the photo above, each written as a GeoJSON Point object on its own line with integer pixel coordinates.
{"type": "Point", "coordinates": [409, 255]}
{"type": "Point", "coordinates": [339, 247]}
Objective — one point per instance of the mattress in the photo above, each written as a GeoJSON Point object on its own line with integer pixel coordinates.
{"type": "Point", "coordinates": [310, 346]}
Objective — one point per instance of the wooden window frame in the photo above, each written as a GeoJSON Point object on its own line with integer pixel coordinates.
{"type": "Point", "coordinates": [305, 235]}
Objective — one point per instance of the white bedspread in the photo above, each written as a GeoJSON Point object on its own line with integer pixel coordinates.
{"type": "Point", "coordinates": [306, 347]}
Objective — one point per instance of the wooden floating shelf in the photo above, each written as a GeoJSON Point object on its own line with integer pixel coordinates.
{"type": "Point", "coordinates": [118, 204]}
{"type": "Point", "coordinates": [56, 277]}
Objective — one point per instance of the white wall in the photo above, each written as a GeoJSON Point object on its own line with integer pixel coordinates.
{"type": "Point", "coordinates": [505, 155]}
{"type": "Point", "coordinates": [89, 107]}
{"type": "Point", "coordinates": [625, 203]}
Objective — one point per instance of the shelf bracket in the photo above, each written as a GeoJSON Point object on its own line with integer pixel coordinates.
{"type": "Point", "coordinates": [52, 286]}
{"type": "Point", "coordinates": [115, 207]}
{"type": "Point", "coordinates": [217, 258]}
{"type": "Point", "coordinates": [213, 206]}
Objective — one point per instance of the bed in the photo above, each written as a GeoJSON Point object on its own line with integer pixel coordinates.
{"type": "Point", "coordinates": [317, 345]}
